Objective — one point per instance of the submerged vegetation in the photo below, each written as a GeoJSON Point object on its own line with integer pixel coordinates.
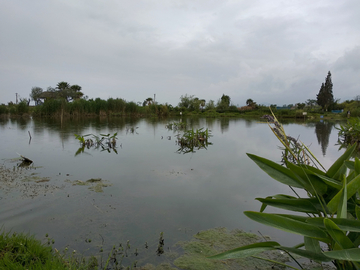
{"type": "Point", "coordinates": [328, 217]}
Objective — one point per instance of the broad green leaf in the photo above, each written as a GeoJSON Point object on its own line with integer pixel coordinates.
{"type": "Point", "coordinates": [342, 206]}
{"type": "Point", "coordinates": [344, 224]}
{"type": "Point", "coordinates": [295, 204]}
{"type": "Point", "coordinates": [306, 254]}
{"type": "Point", "coordinates": [246, 251]}
{"type": "Point", "coordinates": [340, 161]}
{"type": "Point", "coordinates": [276, 171]}
{"type": "Point", "coordinates": [352, 187]}
{"type": "Point", "coordinates": [338, 235]}
{"type": "Point", "coordinates": [351, 254]}
{"type": "Point", "coordinates": [350, 165]}
{"type": "Point", "coordinates": [357, 211]}
{"type": "Point", "coordinates": [309, 179]}
{"type": "Point", "coordinates": [312, 244]}
{"type": "Point", "coordinates": [289, 225]}
{"type": "Point", "coordinates": [330, 181]}
{"type": "Point", "coordinates": [357, 165]}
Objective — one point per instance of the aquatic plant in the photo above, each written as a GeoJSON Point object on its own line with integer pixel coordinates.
{"type": "Point", "coordinates": [329, 214]}
{"type": "Point", "coordinates": [349, 133]}
{"type": "Point", "coordinates": [176, 126]}
{"type": "Point", "coordinates": [106, 142]}
{"type": "Point", "coordinates": [193, 140]}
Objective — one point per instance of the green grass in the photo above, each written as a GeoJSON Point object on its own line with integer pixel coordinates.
{"type": "Point", "coordinates": [22, 251]}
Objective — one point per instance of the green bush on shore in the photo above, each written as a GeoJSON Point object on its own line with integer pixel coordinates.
{"type": "Point", "coordinates": [21, 251]}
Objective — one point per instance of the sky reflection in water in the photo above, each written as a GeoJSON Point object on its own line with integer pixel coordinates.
{"type": "Point", "coordinates": [153, 188]}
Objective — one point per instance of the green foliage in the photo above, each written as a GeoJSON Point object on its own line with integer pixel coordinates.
{"type": "Point", "coordinates": [194, 140]}
{"type": "Point", "coordinates": [350, 132]}
{"type": "Point", "coordinates": [35, 93]}
{"type": "Point", "coordinates": [3, 109]}
{"type": "Point", "coordinates": [331, 206]}
{"type": "Point", "coordinates": [325, 97]}
{"type": "Point", "coordinates": [20, 251]}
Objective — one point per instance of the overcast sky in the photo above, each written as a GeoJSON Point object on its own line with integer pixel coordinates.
{"type": "Point", "coordinates": [274, 52]}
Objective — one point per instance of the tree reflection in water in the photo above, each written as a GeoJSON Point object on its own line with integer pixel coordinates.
{"type": "Point", "coordinates": [323, 131]}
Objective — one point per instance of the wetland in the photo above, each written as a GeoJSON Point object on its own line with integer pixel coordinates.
{"type": "Point", "coordinates": [143, 187]}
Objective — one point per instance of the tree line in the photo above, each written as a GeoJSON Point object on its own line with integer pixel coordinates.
{"type": "Point", "coordinates": [70, 99]}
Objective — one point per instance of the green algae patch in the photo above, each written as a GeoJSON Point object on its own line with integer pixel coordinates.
{"type": "Point", "coordinates": [213, 241]}
{"type": "Point", "coordinates": [95, 184]}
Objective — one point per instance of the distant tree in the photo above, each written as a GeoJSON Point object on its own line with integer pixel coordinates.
{"type": "Point", "coordinates": [300, 106]}
{"type": "Point", "coordinates": [225, 100]}
{"type": "Point", "coordinates": [325, 97]}
{"type": "Point", "coordinates": [148, 101]}
{"type": "Point", "coordinates": [190, 103]}
{"type": "Point", "coordinates": [251, 103]}
{"type": "Point", "coordinates": [69, 92]}
{"type": "Point", "coordinates": [210, 105]}
{"type": "Point", "coordinates": [35, 93]}
{"type": "Point", "coordinates": [311, 102]}
{"type": "Point", "coordinates": [202, 103]}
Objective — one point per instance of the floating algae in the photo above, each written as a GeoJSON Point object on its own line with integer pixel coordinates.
{"type": "Point", "coordinates": [95, 184]}
{"type": "Point", "coordinates": [214, 241]}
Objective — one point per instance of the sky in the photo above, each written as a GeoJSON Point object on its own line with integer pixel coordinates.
{"type": "Point", "coordinates": [274, 52]}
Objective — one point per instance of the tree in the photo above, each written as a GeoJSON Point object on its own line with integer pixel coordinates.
{"type": "Point", "coordinates": [250, 103]}
{"type": "Point", "coordinates": [325, 97]}
{"type": "Point", "coordinates": [148, 101]}
{"type": "Point", "coordinates": [35, 93]}
{"type": "Point", "coordinates": [225, 100]}
{"type": "Point", "coordinates": [69, 92]}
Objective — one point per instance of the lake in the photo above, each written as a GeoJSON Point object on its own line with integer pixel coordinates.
{"type": "Point", "coordinates": [149, 187]}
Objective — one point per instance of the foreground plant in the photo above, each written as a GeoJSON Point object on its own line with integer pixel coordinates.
{"type": "Point", "coordinates": [328, 217]}
{"type": "Point", "coordinates": [349, 133]}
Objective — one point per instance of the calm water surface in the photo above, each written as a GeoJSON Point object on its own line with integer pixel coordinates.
{"type": "Point", "coordinates": [153, 188]}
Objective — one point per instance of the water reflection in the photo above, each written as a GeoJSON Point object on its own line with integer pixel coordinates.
{"type": "Point", "coordinates": [153, 188]}
{"type": "Point", "coordinates": [323, 131]}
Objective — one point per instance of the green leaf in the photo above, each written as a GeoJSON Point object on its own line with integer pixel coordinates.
{"type": "Point", "coordinates": [309, 179]}
{"type": "Point", "coordinates": [294, 204]}
{"type": "Point", "coordinates": [342, 206]}
{"type": "Point", "coordinates": [246, 251]}
{"type": "Point", "coordinates": [276, 171]}
{"type": "Point", "coordinates": [357, 165]}
{"type": "Point", "coordinates": [352, 187]}
{"type": "Point", "coordinates": [306, 254]}
{"type": "Point", "coordinates": [338, 235]}
{"type": "Point", "coordinates": [288, 224]}
{"type": "Point", "coordinates": [351, 254]}
{"type": "Point", "coordinates": [330, 181]}
{"type": "Point", "coordinates": [312, 245]}
{"type": "Point", "coordinates": [344, 224]}
{"type": "Point", "coordinates": [340, 161]}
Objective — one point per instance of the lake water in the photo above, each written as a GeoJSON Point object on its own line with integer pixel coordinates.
{"type": "Point", "coordinates": [153, 188]}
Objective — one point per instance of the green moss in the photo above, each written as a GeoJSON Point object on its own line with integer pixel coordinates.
{"type": "Point", "coordinates": [213, 241]}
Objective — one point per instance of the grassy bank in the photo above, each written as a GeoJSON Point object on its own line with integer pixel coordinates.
{"type": "Point", "coordinates": [21, 251]}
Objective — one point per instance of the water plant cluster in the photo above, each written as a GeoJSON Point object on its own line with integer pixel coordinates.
{"type": "Point", "coordinates": [192, 140]}
{"type": "Point", "coordinates": [105, 142]}
{"type": "Point", "coordinates": [328, 216]}
{"type": "Point", "coordinates": [349, 133]}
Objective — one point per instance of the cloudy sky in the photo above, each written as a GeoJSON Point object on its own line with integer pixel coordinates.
{"type": "Point", "coordinates": [274, 52]}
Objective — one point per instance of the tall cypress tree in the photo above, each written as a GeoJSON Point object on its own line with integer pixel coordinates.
{"type": "Point", "coordinates": [325, 97]}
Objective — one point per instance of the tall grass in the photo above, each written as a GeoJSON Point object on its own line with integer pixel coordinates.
{"type": "Point", "coordinates": [21, 251]}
